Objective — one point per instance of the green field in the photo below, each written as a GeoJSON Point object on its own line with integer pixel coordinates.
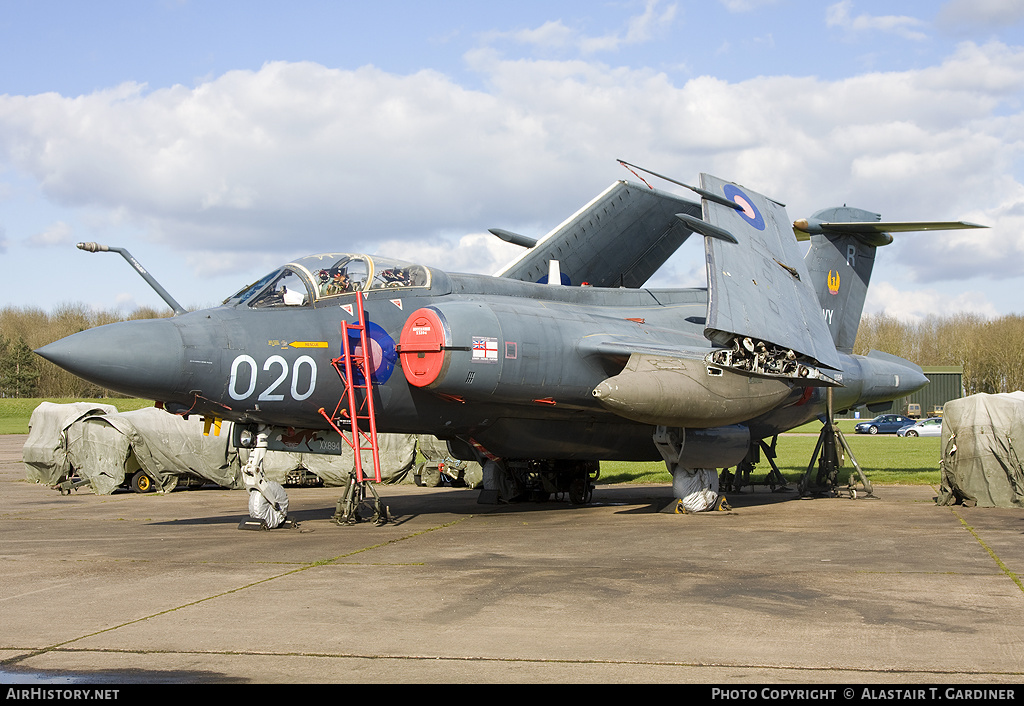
{"type": "Point", "coordinates": [886, 459]}
{"type": "Point", "coordinates": [16, 412]}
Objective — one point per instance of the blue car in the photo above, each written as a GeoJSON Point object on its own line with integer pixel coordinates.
{"type": "Point", "coordinates": [884, 424]}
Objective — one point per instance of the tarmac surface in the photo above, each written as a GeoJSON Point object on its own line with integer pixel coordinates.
{"type": "Point", "coordinates": [134, 588]}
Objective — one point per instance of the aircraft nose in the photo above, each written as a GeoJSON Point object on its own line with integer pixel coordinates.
{"type": "Point", "coordinates": [137, 358]}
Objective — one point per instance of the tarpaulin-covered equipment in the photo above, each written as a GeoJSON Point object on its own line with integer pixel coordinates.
{"type": "Point", "coordinates": [101, 447]}
{"type": "Point", "coordinates": [45, 452]}
{"type": "Point", "coordinates": [982, 443]}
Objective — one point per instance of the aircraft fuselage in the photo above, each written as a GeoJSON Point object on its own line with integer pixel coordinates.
{"type": "Point", "coordinates": [514, 370]}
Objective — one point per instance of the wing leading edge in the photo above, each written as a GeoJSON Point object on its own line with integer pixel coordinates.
{"type": "Point", "coordinates": [618, 239]}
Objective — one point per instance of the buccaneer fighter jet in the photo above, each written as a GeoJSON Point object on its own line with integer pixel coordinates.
{"type": "Point", "coordinates": [539, 379]}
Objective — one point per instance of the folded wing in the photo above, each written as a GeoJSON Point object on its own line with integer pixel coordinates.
{"type": "Point", "coordinates": [759, 286]}
{"type": "Point", "coordinates": [618, 239]}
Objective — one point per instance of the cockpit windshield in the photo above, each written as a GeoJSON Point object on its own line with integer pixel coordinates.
{"type": "Point", "coordinates": [319, 277]}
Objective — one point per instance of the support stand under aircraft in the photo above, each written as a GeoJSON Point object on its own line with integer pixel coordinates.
{"type": "Point", "coordinates": [829, 461]}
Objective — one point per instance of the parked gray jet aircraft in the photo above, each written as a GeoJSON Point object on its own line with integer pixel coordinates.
{"type": "Point", "coordinates": [541, 380]}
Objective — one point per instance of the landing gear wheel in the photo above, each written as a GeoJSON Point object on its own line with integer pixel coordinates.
{"type": "Point", "coordinates": [141, 483]}
{"type": "Point", "coordinates": [580, 491]}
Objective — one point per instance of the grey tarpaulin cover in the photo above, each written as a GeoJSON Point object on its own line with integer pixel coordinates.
{"type": "Point", "coordinates": [397, 453]}
{"type": "Point", "coordinates": [45, 452]}
{"type": "Point", "coordinates": [982, 439]}
{"type": "Point", "coordinates": [435, 450]}
{"type": "Point", "coordinates": [103, 448]}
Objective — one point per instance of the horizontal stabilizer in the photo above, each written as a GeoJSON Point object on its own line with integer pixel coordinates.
{"type": "Point", "coordinates": [841, 257]}
{"type": "Point", "coordinates": [806, 227]}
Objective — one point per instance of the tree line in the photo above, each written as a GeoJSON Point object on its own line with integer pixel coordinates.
{"type": "Point", "coordinates": [991, 351]}
{"type": "Point", "coordinates": [22, 330]}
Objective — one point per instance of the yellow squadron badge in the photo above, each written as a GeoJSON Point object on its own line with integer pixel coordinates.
{"type": "Point", "coordinates": [833, 282]}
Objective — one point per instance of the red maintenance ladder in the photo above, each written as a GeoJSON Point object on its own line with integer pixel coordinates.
{"type": "Point", "coordinates": [359, 412]}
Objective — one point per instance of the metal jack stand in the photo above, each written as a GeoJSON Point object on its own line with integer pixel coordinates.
{"type": "Point", "coordinates": [829, 441]}
{"type": "Point", "coordinates": [347, 512]}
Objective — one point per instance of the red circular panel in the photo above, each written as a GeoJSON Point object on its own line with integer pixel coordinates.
{"type": "Point", "coordinates": [422, 348]}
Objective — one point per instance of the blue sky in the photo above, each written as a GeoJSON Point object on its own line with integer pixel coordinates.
{"type": "Point", "coordinates": [216, 140]}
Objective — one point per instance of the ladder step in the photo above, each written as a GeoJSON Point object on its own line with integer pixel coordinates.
{"type": "Point", "coordinates": [348, 363]}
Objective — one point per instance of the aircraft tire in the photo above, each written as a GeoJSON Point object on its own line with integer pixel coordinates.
{"type": "Point", "coordinates": [141, 483]}
{"type": "Point", "coordinates": [580, 491]}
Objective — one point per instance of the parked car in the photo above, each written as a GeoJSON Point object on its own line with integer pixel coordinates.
{"type": "Point", "coordinates": [926, 427]}
{"type": "Point", "coordinates": [884, 424]}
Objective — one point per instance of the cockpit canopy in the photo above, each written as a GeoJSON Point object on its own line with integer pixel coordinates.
{"type": "Point", "coordinates": [319, 277]}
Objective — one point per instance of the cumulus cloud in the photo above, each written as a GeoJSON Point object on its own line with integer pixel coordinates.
{"type": "Point", "coordinates": [473, 252]}
{"type": "Point", "coordinates": [738, 6]}
{"type": "Point", "coordinates": [297, 157]}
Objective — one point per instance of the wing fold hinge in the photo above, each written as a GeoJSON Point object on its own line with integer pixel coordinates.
{"type": "Point", "coordinates": [753, 357]}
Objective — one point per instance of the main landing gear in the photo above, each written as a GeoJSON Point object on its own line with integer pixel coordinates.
{"type": "Point", "coordinates": [519, 480]}
{"type": "Point", "coordinates": [735, 482]}
{"type": "Point", "coordinates": [696, 489]}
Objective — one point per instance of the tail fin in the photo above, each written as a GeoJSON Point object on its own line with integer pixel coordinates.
{"type": "Point", "coordinates": [841, 257]}
{"type": "Point", "coordinates": [840, 266]}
